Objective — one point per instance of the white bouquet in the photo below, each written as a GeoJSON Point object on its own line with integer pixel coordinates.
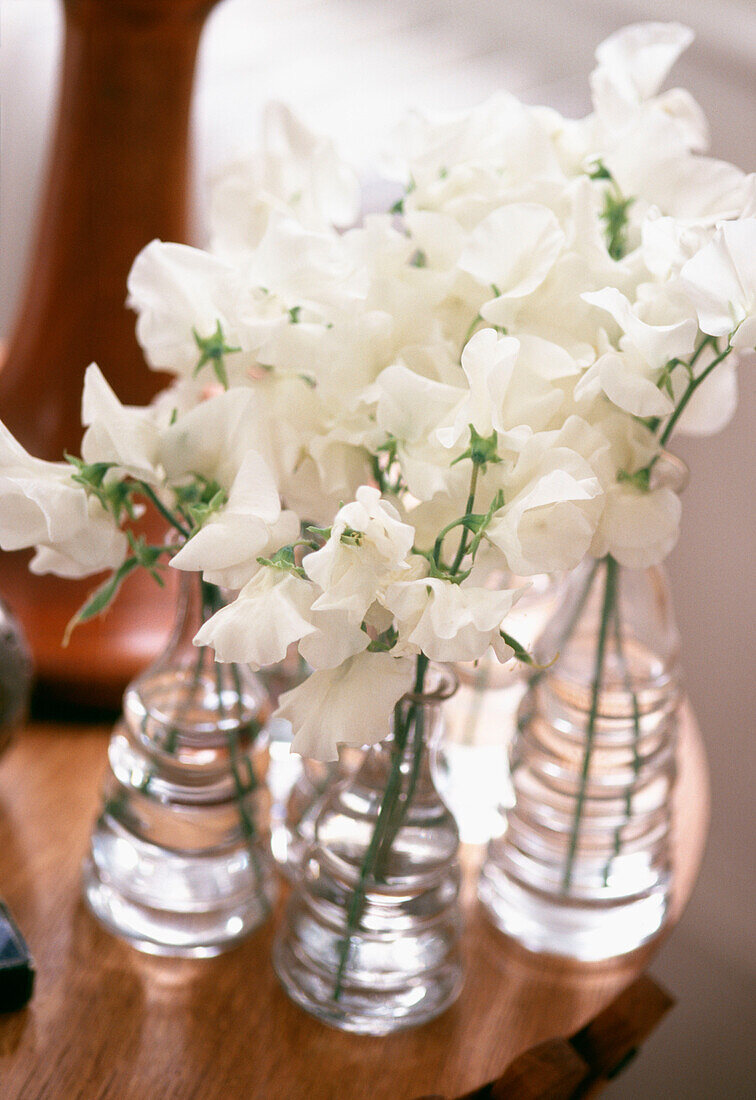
{"type": "Point", "coordinates": [373, 418]}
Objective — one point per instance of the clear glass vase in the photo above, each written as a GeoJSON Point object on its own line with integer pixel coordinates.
{"type": "Point", "coordinates": [179, 861]}
{"type": "Point", "coordinates": [296, 834]}
{"type": "Point", "coordinates": [469, 760]}
{"type": "Point", "coordinates": [370, 942]}
{"type": "Point", "coordinates": [583, 869]}
{"type": "Point", "coordinates": [286, 773]}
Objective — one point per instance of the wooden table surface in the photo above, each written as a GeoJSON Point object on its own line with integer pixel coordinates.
{"type": "Point", "coordinates": [107, 1021]}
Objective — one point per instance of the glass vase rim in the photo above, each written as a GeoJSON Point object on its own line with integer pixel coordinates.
{"type": "Point", "coordinates": [669, 471]}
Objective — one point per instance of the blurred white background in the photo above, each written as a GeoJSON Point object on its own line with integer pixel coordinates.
{"type": "Point", "coordinates": [350, 67]}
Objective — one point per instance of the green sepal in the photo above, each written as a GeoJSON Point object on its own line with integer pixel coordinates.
{"type": "Point", "coordinates": [482, 450]}
{"type": "Point", "coordinates": [520, 652]}
{"type": "Point", "coordinates": [285, 561]}
{"type": "Point", "coordinates": [615, 217]}
{"type": "Point", "coordinates": [320, 532]}
{"type": "Point", "coordinates": [398, 207]}
{"type": "Point", "coordinates": [213, 350]}
{"type": "Point", "coordinates": [114, 496]}
{"type": "Point", "coordinates": [600, 172]}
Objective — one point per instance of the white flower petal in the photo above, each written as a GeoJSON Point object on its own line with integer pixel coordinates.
{"type": "Point", "coordinates": [629, 389]}
{"type": "Point", "coordinates": [351, 704]}
{"type": "Point", "coordinates": [257, 628]}
{"type": "Point", "coordinates": [514, 248]}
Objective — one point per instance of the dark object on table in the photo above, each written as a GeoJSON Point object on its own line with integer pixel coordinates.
{"type": "Point", "coordinates": [581, 1065]}
{"type": "Point", "coordinates": [16, 965]}
{"type": "Point", "coordinates": [15, 674]}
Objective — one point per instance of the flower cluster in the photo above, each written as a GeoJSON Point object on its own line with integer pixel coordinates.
{"type": "Point", "coordinates": [486, 374]}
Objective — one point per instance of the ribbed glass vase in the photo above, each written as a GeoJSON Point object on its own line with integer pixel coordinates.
{"type": "Point", "coordinates": [179, 861]}
{"type": "Point", "coordinates": [370, 942]}
{"type": "Point", "coordinates": [584, 867]}
{"type": "Point", "coordinates": [468, 762]}
{"type": "Point", "coordinates": [285, 773]}
{"type": "Point", "coordinates": [296, 831]}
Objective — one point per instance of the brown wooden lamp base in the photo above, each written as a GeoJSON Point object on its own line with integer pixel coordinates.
{"type": "Point", "coordinates": [117, 179]}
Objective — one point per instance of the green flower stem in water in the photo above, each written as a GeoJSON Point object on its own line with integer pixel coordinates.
{"type": "Point", "coordinates": [387, 811]}
{"type": "Point", "coordinates": [610, 589]}
{"type": "Point", "coordinates": [636, 735]}
{"type": "Point", "coordinates": [415, 721]}
{"type": "Point", "coordinates": [571, 624]}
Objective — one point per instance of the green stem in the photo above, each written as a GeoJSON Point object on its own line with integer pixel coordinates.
{"type": "Point", "coordinates": [473, 325]}
{"type": "Point", "coordinates": [566, 634]}
{"type": "Point", "coordinates": [167, 515]}
{"type": "Point", "coordinates": [636, 737]}
{"type": "Point", "coordinates": [462, 549]}
{"type": "Point", "coordinates": [415, 721]}
{"type": "Point", "coordinates": [391, 793]}
{"type": "Point", "coordinates": [690, 390]}
{"type": "Point", "coordinates": [610, 584]}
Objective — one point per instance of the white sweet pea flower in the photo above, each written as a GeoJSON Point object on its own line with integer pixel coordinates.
{"type": "Point", "coordinates": [633, 63]}
{"type": "Point", "coordinates": [409, 408]}
{"type": "Point", "coordinates": [713, 405]}
{"type": "Point", "coordinates": [322, 271]}
{"type": "Point", "coordinates": [127, 436]}
{"type": "Point", "coordinates": [488, 362]}
{"type": "Point", "coordinates": [296, 172]}
{"type": "Point", "coordinates": [449, 622]}
{"type": "Point", "coordinates": [657, 344]}
{"type": "Point", "coordinates": [257, 628]}
{"type": "Point", "coordinates": [41, 506]}
{"type": "Point", "coordinates": [335, 640]}
{"type": "Point", "coordinates": [721, 283]}
{"type": "Point", "coordinates": [351, 704]}
{"type": "Point", "coordinates": [250, 525]}
{"type": "Point", "coordinates": [213, 438]}
{"type": "Point", "coordinates": [512, 387]}
{"type": "Point", "coordinates": [629, 377]}
{"type": "Point", "coordinates": [629, 383]}
{"type": "Point", "coordinates": [177, 291]}
{"type": "Point", "coordinates": [692, 188]}
{"type": "Point", "coordinates": [513, 249]}
{"type": "Point", "coordinates": [638, 528]}
{"type": "Point", "coordinates": [273, 611]}
{"type": "Point", "coordinates": [553, 504]}
{"type": "Point", "coordinates": [668, 244]}
{"type": "Point", "coordinates": [351, 573]}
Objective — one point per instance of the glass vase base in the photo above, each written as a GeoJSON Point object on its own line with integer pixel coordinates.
{"type": "Point", "coordinates": [571, 928]}
{"type": "Point", "coordinates": [170, 904]}
{"type": "Point", "coordinates": [364, 1008]}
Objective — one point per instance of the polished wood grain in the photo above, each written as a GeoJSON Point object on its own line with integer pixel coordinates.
{"type": "Point", "coordinates": [117, 178]}
{"type": "Point", "coordinates": [107, 1022]}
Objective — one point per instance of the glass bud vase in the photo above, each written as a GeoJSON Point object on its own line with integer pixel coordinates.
{"type": "Point", "coordinates": [370, 943]}
{"type": "Point", "coordinates": [480, 720]}
{"type": "Point", "coordinates": [583, 869]}
{"type": "Point", "coordinates": [306, 798]}
{"type": "Point", "coordinates": [179, 861]}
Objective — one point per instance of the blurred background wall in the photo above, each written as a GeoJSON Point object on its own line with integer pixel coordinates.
{"type": "Point", "coordinates": [351, 67]}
